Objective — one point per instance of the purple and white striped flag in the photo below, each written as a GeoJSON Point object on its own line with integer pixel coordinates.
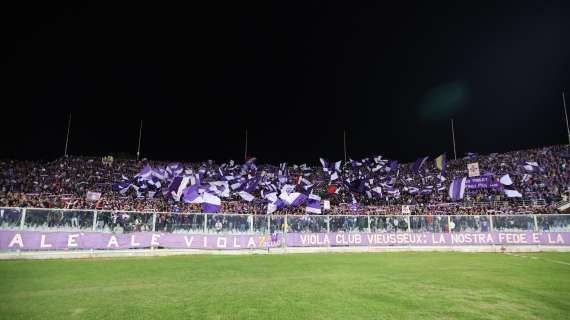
{"type": "Point", "coordinates": [457, 189]}
{"type": "Point", "coordinates": [211, 203]}
{"type": "Point", "coordinates": [246, 196]}
{"type": "Point", "coordinates": [191, 195]}
{"type": "Point", "coordinates": [313, 204]}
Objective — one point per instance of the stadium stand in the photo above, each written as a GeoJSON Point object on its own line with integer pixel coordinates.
{"type": "Point", "coordinates": [514, 182]}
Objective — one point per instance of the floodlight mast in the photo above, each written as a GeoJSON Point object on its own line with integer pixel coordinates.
{"type": "Point", "coordinates": [566, 116]}
{"type": "Point", "coordinates": [67, 136]}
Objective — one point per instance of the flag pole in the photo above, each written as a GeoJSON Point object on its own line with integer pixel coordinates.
{"type": "Point", "coordinates": [139, 146]}
{"type": "Point", "coordinates": [67, 136]}
{"type": "Point", "coordinates": [245, 154]}
{"type": "Point", "coordinates": [566, 115]}
{"type": "Point", "coordinates": [344, 139]}
{"type": "Point", "coordinates": [453, 137]}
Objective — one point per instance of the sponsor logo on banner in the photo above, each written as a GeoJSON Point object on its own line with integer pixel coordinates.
{"type": "Point", "coordinates": [473, 169]}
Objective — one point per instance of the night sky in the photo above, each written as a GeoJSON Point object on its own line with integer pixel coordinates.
{"type": "Point", "coordinates": [295, 75]}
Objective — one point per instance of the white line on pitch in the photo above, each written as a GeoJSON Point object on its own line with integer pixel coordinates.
{"type": "Point", "coordinates": [556, 261]}
{"type": "Point", "coordinates": [537, 258]}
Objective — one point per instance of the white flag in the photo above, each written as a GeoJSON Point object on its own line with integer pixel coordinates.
{"type": "Point", "coordinates": [506, 180]}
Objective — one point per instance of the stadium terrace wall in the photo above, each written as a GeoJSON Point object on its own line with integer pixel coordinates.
{"type": "Point", "coordinates": [47, 230]}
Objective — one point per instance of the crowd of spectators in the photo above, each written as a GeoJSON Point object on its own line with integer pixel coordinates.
{"type": "Point", "coordinates": [63, 183]}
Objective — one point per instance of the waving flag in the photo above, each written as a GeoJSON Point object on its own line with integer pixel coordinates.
{"type": "Point", "coordinates": [271, 196]}
{"type": "Point", "coordinates": [221, 188]}
{"type": "Point", "coordinates": [177, 187]}
{"type": "Point", "coordinates": [377, 167]}
{"type": "Point", "coordinates": [246, 196]}
{"type": "Point", "coordinates": [174, 169]}
{"type": "Point", "coordinates": [377, 191]}
{"type": "Point", "coordinates": [334, 176]}
{"type": "Point", "coordinates": [122, 187]}
{"type": "Point", "coordinates": [251, 184]}
{"type": "Point", "coordinates": [440, 163]}
{"type": "Point", "coordinates": [155, 182]}
{"type": "Point", "coordinates": [355, 163]}
{"type": "Point", "coordinates": [159, 173]}
{"type": "Point", "coordinates": [393, 191]}
{"type": "Point", "coordinates": [270, 187]}
{"type": "Point", "coordinates": [313, 204]}
{"type": "Point", "coordinates": [294, 199]}
{"type": "Point", "coordinates": [470, 156]}
{"type": "Point", "coordinates": [337, 165]}
{"type": "Point", "coordinates": [283, 169]}
{"type": "Point", "coordinates": [512, 193]}
{"type": "Point", "coordinates": [393, 166]}
{"type": "Point", "coordinates": [506, 180]}
{"type": "Point", "coordinates": [457, 189]}
{"type": "Point", "coordinates": [531, 166]}
{"type": "Point", "coordinates": [288, 198]}
{"type": "Point", "coordinates": [191, 195]}
{"type": "Point", "coordinates": [274, 202]}
{"type": "Point", "coordinates": [271, 207]}
{"type": "Point", "coordinates": [325, 164]}
{"type": "Point", "coordinates": [145, 172]}
{"type": "Point", "coordinates": [211, 203]}
{"type": "Point", "coordinates": [413, 190]}
{"type": "Point", "coordinates": [419, 164]}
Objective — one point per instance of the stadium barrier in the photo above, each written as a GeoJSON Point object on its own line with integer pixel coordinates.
{"type": "Point", "coordinates": [38, 229]}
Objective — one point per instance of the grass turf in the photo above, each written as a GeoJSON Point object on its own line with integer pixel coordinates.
{"type": "Point", "coordinates": [300, 286]}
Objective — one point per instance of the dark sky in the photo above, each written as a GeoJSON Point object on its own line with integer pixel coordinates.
{"type": "Point", "coordinates": [294, 74]}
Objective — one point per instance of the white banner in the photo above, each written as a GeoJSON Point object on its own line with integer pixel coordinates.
{"type": "Point", "coordinates": [406, 209]}
{"type": "Point", "coordinates": [93, 196]}
{"type": "Point", "coordinates": [473, 169]}
{"type": "Point", "coordinates": [326, 204]}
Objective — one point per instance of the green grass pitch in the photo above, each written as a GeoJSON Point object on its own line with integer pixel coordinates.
{"type": "Point", "coordinates": [295, 286]}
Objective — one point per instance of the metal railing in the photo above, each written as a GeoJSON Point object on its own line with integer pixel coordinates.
{"type": "Point", "coordinates": [70, 220]}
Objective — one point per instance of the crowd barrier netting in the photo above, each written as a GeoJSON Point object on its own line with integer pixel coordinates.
{"type": "Point", "coordinates": [66, 229]}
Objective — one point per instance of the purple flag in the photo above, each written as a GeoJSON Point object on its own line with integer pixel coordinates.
{"type": "Point", "coordinates": [393, 165]}
{"type": "Point", "coordinates": [191, 195]}
{"type": "Point", "coordinates": [457, 189]}
{"type": "Point", "coordinates": [418, 164]}
{"type": "Point", "coordinates": [211, 203]}
{"type": "Point", "coordinates": [313, 204]}
{"type": "Point", "coordinates": [144, 173]}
